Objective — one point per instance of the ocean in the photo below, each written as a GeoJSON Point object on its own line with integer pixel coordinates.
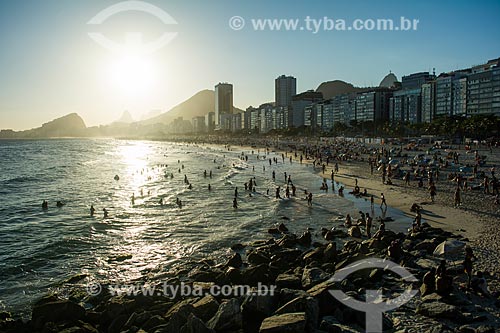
{"type": "Point", "coordinates": [41, 248]}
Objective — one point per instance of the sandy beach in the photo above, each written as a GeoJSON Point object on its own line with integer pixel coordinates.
{"type": "Point", "coordinates": [476, 219]}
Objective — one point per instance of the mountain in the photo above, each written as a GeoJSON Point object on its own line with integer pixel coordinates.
{"type": "Point", "coordinates": [337, 87]}
{"type": "Point", "coordinates": [125, 118]}
{"type": "Point", "coordinates": [71, 125]}
{"type": "Point", "coordinates": [197, 105]}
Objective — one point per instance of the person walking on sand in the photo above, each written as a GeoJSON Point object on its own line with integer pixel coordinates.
{"type": "Point", "coordinates": [457, 197]}
{"type": "Point", "coordinates": [382, 197]}
{"type": "Point", "coordinates": [432, 191]}
{"type": "Point", "coordinates": [469, 256]}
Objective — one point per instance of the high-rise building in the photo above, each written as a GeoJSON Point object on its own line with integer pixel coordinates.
{"type": "Point", "coordinates": [223, 102]}
{"type": "Point", "coordinates": [210, 121]}
{"type": "Point", "coordinates": [428, 101]}
{"type": "Point", "coordinates": [284, 88]}
{"type": "Point", "coordinates": [373, 105]}
{"type": "Point", "coordinates": [415, 80]}
{"type": "Point", "coordinates": [299, 102]}
{"type": "Point", "coordinates": [483, 89]}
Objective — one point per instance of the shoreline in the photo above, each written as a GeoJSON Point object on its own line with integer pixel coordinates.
{"type": "Point", "coordinates": [398, 197]}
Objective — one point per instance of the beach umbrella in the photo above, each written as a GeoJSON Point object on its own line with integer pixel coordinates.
{"type": "Point", "coordinates": [451, 246]}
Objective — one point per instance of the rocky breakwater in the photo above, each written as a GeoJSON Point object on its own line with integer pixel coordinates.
{"type": "Point", "coordinates": [293, 273]}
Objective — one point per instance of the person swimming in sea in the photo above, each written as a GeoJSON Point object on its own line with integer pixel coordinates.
{"type": "Point", "coordinates": [92, 210]}
{"type": "Point", "coordinates": [105, 212]}
{"type": "Point", "coordinates": [59, 204]}
{"type": "Point", "coordinates": [45, 205]}
{"type": "Point", "coordinates": [209, 187]}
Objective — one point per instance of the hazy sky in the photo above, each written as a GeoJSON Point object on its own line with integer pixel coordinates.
{"type": "Point", "coordinates": [49, 66]}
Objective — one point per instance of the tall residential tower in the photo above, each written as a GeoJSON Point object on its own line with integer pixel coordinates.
{"type": "Point", "coordinates": [223, 101]}
{"type": "Point", "coordinates": [285, 88]}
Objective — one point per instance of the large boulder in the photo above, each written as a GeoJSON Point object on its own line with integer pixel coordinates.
{"type": "Point", "coordinates": [195, 325]}
{"type": "Point", "coordinates": [235, 261]}
{"type": "Point", "coordinates": [438, 310]}
{"type": "Point", "coordinates": [228, 317]}
{"type": "Point", "coordinates": [285, 323]}
{"type": "Point", "coordinates": [57, 311]}
{"type": "Point", "coordinates": [257, 258]}
{"type": "Point", "coordinates": [288, 281]}
{"type": "Point", "coordinates": [309, 305]}
{"type": "Point", "coordinates": [206, 307]}
{"type": "Point", "coordinates": [255, 274]}
{"type": "Point", "coordinates": [313, 276]}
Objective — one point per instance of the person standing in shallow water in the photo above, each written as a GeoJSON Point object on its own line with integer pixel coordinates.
{"type": "Point", "coordinates": [368, 225]}
{"type": "Point", "coordinates": [382, 197]}
{"type": "Point", "coordinates": [92, 210]}
{"type": "Point", "coordinates": [235, 203]}
{"type": "Point", "coordinates": [309, 199]}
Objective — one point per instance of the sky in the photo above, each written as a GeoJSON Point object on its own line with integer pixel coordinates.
{"type": "Point", "coordinates": [50, 66]}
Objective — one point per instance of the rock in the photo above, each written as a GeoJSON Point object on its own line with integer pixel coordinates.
{"type": "Point", "coordinates": [201, 275]}
{"type": "Point", "coordinates": [327, 303]}
{"type": "Point", "coordinates": [427, 245]}
{"type": "Point", "coordinates": [273, 231]}
{"type": "Point", "coordinates": [235, 261]}
{"type": "Point", "coordinates": [329, 235]}
{"type": "Point", "coordinates": [255, 309]}
{"type": "Point", "coordinates": [305, 239]}
{"type": "Point", "coordinates": [237, 247]}
{"type": "Point", "coordinates": [313, 255]}
{"type": "Point", "coordinates": [309, 305]}
{"type": "Point", "coordinates": [330, 324]}
{"type": "Point", "coordinates": [118, 323]}
{"type": "Point", "coordinates": [465, 329]}
{"type": "Point", "coordinates": [288, 281]}
{"type": "Point", "coordinates": [152, 322]}
{"type": "Point", "coordinates": [228, 317]}
{"type": "Point", "coordinates": [57, 311]}
{"type": "Point", "coordinates": [183, 305]}
{"type": "Point", "coordinates": [313, 276]}
{"type": "Point", "coordinates": [177, 316]}
{"type": "Point", "coordinates": [485, 329]}
{"type": "Point", "coordinates": [257, 258]}
{"type": "Point", "coordinates": [286, 295]}
{"type": "Point", "coordinates": [195, 325]}
{"type": "Point", "coordinates": [375, 244]}
{"type": "Point", "coordinates": [259, 305]}
{"type": "Point", "coordinates": [354, 231]}
{"type": "Point", "coordinates": [255, 274]}
{"type": "Point", "coordinates": [438, 310]}
{"type": "Point", "coordinates": [287, 241]}
{"type": "Point", "coordinates": [282, 228]}
{"type": "Point", "coordinates": [330, 252]}
{"type": "Point", "coordinates": [206, 308]}
{"type": "Point", "coordinates": [233, 275]}
{"type": "Point", "coordinates": [288, 322]}
{"type": "Point", "coordinates": [376, 274]}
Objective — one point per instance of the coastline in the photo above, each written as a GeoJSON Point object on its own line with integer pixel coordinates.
{"type": "Point", "coordinates": [438, 215]}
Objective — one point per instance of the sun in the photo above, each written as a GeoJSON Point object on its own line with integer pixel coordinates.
{"type": "Point", "coordinates": [132, 75]}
